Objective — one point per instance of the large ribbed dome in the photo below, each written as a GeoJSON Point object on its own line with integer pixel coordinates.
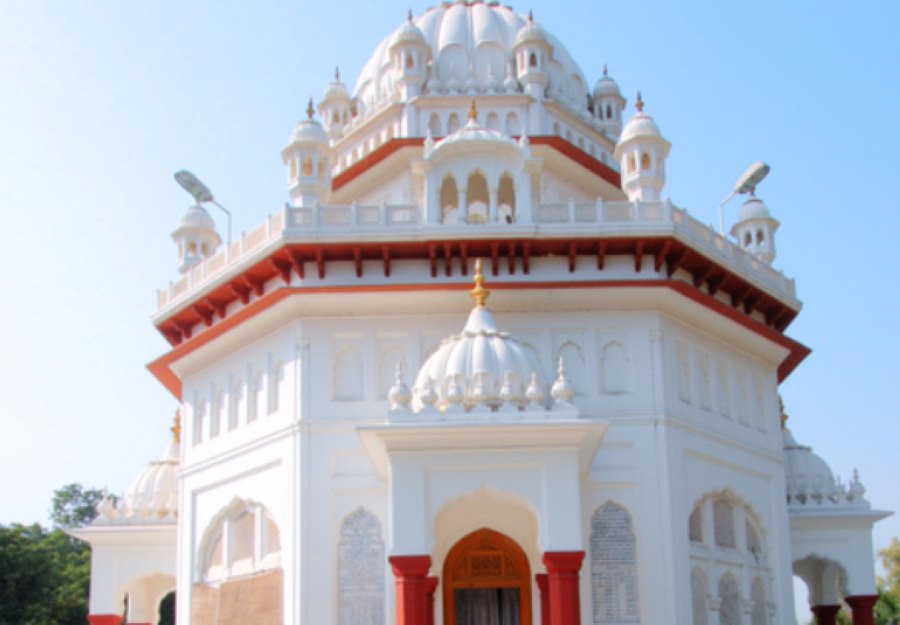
{"type": "Point", "coordinates": [808, 476]}
{"type": "Point", "coordinates": [471, 43]}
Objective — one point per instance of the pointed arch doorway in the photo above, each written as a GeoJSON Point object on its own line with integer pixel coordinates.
{"type": "Point", "coordinates": [486, 581]}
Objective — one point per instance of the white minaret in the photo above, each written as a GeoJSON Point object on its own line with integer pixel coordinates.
{"type": "Point", "coordinates": [532, 53]}
{"type": "Point", "coordinates": [642, 153]}
{"type": "Point", "coordinates": [335, 107]}
{"type": "Point", "coordinates": [608, 106]}
{"type": "Point", "coordinates": [308, 160]}
{"type": "Point", "coordinates": [410, 54]}
{"type": "Point", "coordinates": [196, 237]}
{"type": "Point", "coordinates": [755, 230]}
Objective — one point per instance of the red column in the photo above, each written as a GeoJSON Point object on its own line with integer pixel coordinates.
{"type": "Point", "coordinates": [105, 619]}
{"type": "Point", "coordinates": [862, 608]}
{"type": "Point", "coordinates": [542, 582]}
{"type": "Point", "coordinates": [826, 614]}
{"type": "Point", "coordinates": [430, 586]}
{"type": "Point", "coordinates": [410, 572]}
{"type": "Point", "coordinates": [562, 577]}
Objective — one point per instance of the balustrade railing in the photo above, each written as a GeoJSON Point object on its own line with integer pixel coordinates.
{"type": "Point", "coordinates": [619, 218]}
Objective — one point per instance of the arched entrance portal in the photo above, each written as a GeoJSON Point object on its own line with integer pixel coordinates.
{"type": "Point", "coordinates": [486, 580]}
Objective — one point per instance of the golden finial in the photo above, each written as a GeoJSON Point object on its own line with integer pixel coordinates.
{"type": "Point", "coordinates": [784, 415]}
{"type": "Point", "coordinates": [604, 69]}
{"type": "Point", "coordinates": [310, 111]}
{"type": "Point", "coordinates": [473, 111]}
{"type": "Point", "coordinates": [530, 15]}
{"type": "Point", "coordinates": [176, 427]}
{"type": "Point", "coordinates": [337, 73]}
{"type": "Point", "coordinates": [409, 15]}
{"type": "Point", "coordinates": [479, 293]}
{"type": "Point", "coordinates": [639, 104]}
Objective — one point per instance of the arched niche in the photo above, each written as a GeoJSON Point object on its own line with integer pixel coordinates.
{"type": "Point", "coordinates": [506, 198]}
{"type": "Point", "coordinates": [347, 374]}
{"type": "Point", "coordinates": [449, 200]}
{"type": "Point", "coordinates": [434, 125]}
{"type": "Point", "coordinates": [477, 197]}
{"type": "Point", "coordinates": [513, 126]}
{"type": "Point", "coordinates": [144, 595]}
{"type": "Point", "coordinates": [486, 578]}
{"type": "Point", "coordinates": [615, 369]}
{"type": "Point", "coordinates": [824, 577]}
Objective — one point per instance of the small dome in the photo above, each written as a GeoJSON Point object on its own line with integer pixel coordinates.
{"type": "Point", "coordinates": [309, 131]}
{"type": "Point", "coordinates": [808, 476]}
{"type": "Point", "coordinates": [336, 91]}
{"type": "Point", "coordinates": [154, 492]}
{"type": "Point", "coordinates": [753, 208]}
{"type": "Point", "coordinates": [408, 33]}
{"type": "Point", "coordinates": [531, 31]}
{"type": "Point", "coordinates": [639, 126]}
{"type": "Point", "coordinates": [473, 134]}
{"type": "Point", "coordinates": [477, 362]}
{"type": "Point", "coordinates": [606, 86]}
{"type": "Point", "coordinates": [196, 217]}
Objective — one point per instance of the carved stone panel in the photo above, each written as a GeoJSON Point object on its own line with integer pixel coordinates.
{"type": "Point", "coordinates": [361, 570]}
{"type": "Point", "coordinates": [614, 579]}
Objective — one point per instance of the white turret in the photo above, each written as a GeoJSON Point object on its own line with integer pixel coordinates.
{"type": "Point", "coordinates": [410, 54]}
{"type": "Point", "coordinates": [642, 153]}
{"type": "Point", "coordinates": [335, 107]}
{"type": "Point", "coordinates": [608, 106]}
{"type": "Point", "coordinates": [196, 237]}
{"type": "Point", "coordinates": [532, 53]}
{"type": "Point", "coordinates": [308, 160]}
{"type": "Point", "coordinates": [755, 230]}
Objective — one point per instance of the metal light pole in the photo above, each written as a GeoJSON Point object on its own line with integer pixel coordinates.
{"type": "Point", "coordinates": [201, 193]}
{"type": "Point", "coordinates": [745, 184]}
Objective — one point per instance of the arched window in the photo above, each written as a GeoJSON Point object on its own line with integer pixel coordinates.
{"type": "Point", "coordinates": [760, 614]}
{"type": "Point", "coordinates": [449, 200]}
{"type": "Point", "coordinates": [506, 199]}
{"type": "Point", "coordinates": [215, 417]}
{"type": "Point", "coordinates": [632, 163]}
{"type": "Point", "coordinates": [699, 591]}
{"type": "Point", "coordinates": [695, 525]}
{"type": "Point", "coordinates": [615, 368]}
{"type": "Point", "coordinates": [276, 382]}
{"type": "Point", "coordinates": [729, 601]}
{"type": "Point", "coordinates": [453, 123]}
{"type": "Point", "coordinates": [192, 248]}
{"type": "Point", "coordinates": [410, 63]}
{"type": "Point", "coordinates": [434, 125]}
{"type": "Point", "coordinates": [614, 579]}
{"type": "Point", "coordinates": [608, 112]}
{"type": "Point", "coordinates": [243, 540]}
{"type": "Point", "coordinates": [235, 404]}
{"type": "Point", "coordinates": [493, 122]}
{"type": "Point", "coordinates": [760, 237]}
{"type": "Point", "coordinates": [254, 396]}
{"type": "Point", "coordinates": [307, 167]}
{"type": "Point", "coordinates": [199, 418]}
{"type": "Point", "coordinates": [532, 60]}
{"type": "Point", "coordinates": [748, 239]}
{"type": "Point", "coordinates": [645, 161]}
{"type": "Point", "coordinates": [513, 127]}
{"type": "Point", "coordinates": [360, 553]}
{"type": "Point", "coordinates": [723, 523]}
{"type": "Point", "coordinates": [477, 197]}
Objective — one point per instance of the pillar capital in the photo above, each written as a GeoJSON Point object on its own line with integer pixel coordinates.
{"type": "Point", "coordinates": [562, 581]}
{"type": "Point", "coordinates": [411, 586]}
{"type": "Point", "coordinates": [563, 561]}
{"type": "Point", "coordinates": [410, 566]}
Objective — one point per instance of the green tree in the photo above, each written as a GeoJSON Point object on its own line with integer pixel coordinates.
{"type": "Point", "coordinates": [74, 506]}
{"type": "Point", "coordinates": [887, 610]}
{"type": "Point", "coordinates": [44, 577]}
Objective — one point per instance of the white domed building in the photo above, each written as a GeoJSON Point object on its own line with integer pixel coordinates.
{"type": "Point", "coordinates": [602, 444]}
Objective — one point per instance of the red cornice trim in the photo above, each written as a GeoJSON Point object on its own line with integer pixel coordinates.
{"type": "Point", "coordinates": [161, 367]}
{"type": "Point", "coordinates": [372, 159]}
{"type": "Point", "coordinates": [557, 143]}
{"type": "Point", "coordinates": [579, 156]}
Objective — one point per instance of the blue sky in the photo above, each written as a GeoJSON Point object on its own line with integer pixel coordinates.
{"type": "Point", "coordinates": [103, 101]}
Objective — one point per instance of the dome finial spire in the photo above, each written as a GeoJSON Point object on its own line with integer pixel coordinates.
{"type": "Point", "coordinates": [176, 427]}
{"type": "Point", "coordinates": [639, 103]}
{"type": "Point", "coordinates": [337, 73]}
{"type": "Point", "coordinates": [530, 15]}
{"type": "Point", "coordinates": [479, 293]}
{"type": "Point", "coordinates": [605, 69]}
{"type": "Point", "coordinates": [310, 111]}
{"type": "Point", "coordinates": [473, 111]}
{"type": "Point", "coordinates": [409, 15]}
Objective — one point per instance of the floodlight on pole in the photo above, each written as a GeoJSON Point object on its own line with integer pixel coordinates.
{"type": "Point", "coordinates": [745, 184]}
{"type": "Point", "coordinates": [201, 193]}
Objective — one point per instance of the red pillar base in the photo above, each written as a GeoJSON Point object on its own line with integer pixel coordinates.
{"type": "Point", "coordinates": [562, 577]}
{"type": "Point", "coordinates": [826, 614]}
{"type": "Point", "coordinates": [105, 619]}
{"type": "Point", "coordinates": [862, 608]}
{"type": "Point", "coordinates": [410, 572]}
{"type": "Point", "coordinates": [542, 583]}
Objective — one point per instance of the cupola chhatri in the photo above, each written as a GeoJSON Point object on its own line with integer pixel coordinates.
{"type": "Point", "coordinates": [308, 160]}
{"type": "Point", "coordinates": [642, 153]}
